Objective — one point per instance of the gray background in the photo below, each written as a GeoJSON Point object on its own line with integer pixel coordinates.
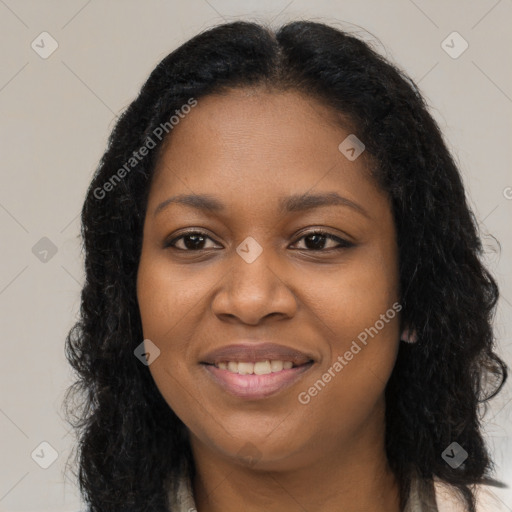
{"type": "Point", "coordinates": [57, 112]}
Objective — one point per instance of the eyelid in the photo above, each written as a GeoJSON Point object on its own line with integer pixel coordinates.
{"type": "Point", "coordinates": [342, 242]}
{"type": "Point", "coordinates": [192, 231]}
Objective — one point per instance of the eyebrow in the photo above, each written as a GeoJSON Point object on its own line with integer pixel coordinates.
{"type": "Point", "coordinates": [293, 203]}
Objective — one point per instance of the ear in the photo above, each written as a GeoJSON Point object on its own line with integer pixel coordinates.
{"type": "Point", "coordinates": [409, 336]}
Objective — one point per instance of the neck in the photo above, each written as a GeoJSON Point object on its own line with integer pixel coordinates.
{"type": "Point", "coordinates": [355, 477]}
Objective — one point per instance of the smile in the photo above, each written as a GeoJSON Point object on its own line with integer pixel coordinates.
{"type": "Point", "coordinates": [256, 368]}
{"type": "Point", "coordinates": [256, 380]}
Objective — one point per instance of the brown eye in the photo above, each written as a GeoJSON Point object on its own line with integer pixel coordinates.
{"type": "Point", "coordinates": [316, 240]}
{"type": "Point", "coordinates": [191, 241]}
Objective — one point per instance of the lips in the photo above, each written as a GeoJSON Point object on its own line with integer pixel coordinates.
{"type": "Point", "coordinates": [284, 367]}
{"type": "Point", "coordinates": [252, 353]}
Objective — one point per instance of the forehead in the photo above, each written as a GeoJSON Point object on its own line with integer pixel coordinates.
{"type": "Point", "coordinates": [252, 144]}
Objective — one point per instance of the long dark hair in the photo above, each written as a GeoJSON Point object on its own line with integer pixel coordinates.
{"type": "Point", "coordinates": [131, 444]}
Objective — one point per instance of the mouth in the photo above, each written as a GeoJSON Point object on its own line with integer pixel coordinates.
{"type": "Point", "coordinates": [255, 386]}
{"type": "Point", "coordinates": [256, 371]}
{"type": "Point", "coordinates": [256, 368]}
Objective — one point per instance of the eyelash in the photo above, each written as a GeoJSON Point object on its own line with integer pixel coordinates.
{"type": "Point", "coordinates": [344, 244]}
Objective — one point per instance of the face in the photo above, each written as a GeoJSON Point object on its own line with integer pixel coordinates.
{"type": "Point", "coordinates": [272, 270]}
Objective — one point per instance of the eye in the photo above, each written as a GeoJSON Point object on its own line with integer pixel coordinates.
{"type": "Point", "coordinates": [315, 241]}
{"type": "Point", "coordinates": [193, 241]}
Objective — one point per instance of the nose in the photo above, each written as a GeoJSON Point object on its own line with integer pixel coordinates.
{"type": "Point", "coordinates": [252, 291]}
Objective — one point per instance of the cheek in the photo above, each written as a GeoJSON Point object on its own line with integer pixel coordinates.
{"type": "Point", "coordinates": [168, 304]}
{"type": "Point", "coordinates": [358, 308]}
{"type": "Point", "coordinates": [167, 296]}
{"type": "Point", "coordinates": [351, 297]}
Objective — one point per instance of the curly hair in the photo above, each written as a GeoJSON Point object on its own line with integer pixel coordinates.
{"type": "Point", "coordinates": [131, 444]}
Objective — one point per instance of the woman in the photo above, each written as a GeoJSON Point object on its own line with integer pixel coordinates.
{"type": "Point", "coordinates": [284, 307]}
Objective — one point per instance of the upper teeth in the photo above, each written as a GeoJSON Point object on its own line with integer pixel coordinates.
{"type": "Point", "coordinates": [258, 368]}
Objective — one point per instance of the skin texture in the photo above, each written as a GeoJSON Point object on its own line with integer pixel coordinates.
{"type": "Point", "coordinates": [249, 148]}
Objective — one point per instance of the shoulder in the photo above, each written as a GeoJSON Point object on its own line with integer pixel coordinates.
{"type": "Point", "coordinates": [449, 501]}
